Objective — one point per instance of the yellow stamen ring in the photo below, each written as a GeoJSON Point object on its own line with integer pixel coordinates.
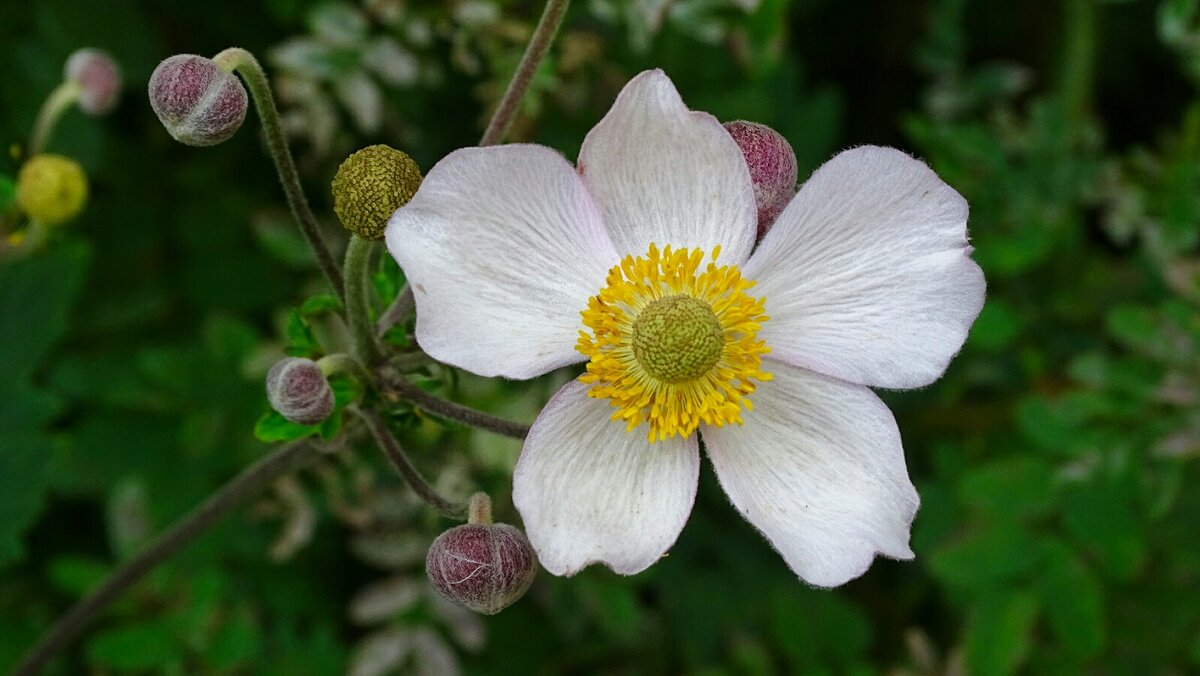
{"type": "Point", "coordinates": [673, 345]}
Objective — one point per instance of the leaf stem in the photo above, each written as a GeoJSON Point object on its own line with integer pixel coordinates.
{"type": "Point", "coordinates": [244, 63]}
{"type": "Point", "coordinates": [249, 483]}
{"type": "Point", "coordinates": [539, 44]}
{"type": "Point", "coordinates": [358, 300]}
{"type": "Point", "coordinates": [399, 387]}
{"type": "Point", "coordinates": [398, 311]}
{"type": "Point", "coordinates": [395, 453]}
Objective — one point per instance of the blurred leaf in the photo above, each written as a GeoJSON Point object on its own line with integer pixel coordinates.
{"type": "Point", "coordinates": [8, 192]}
{"type": "Point", "coordinates": [1100, 518]}
{"type": "Point", "coordinates": [985, 558]}
{"type": "Point", "coordinates": [1018, 486]}
{"type": "Point", "coordinates": [996, 328]}
{"type": "Point", "coordinates": [273, 427]}
{"type": "Point", "coordinates": [77, 575]}
{"type": "Point", "coordinates": [147, 645]}
{"type": "Point", "coordinates": [301, 342]}
{"type": "Point", "coordinates": [1073, 599]}
{"type": "Point", "coordinates": [1000, 633]}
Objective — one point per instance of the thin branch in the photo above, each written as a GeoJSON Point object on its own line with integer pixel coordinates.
{"type": "Point", "coordinates": [539, 44]}
{"type": "Point", "coordinates": [399, 387]}
{"type": "Point", "coordinates": [358, 300]}
{"type": "Point", "coordinates": [249, 483]}
{"type": "Point", "coordinates": [242, 61]}
{"type": "Point", "coordinates": [394, 452]}
{"type": "Point", "coordinates": [397, 312]}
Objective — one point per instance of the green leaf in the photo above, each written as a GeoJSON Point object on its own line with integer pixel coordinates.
{"type": "Point", "coordinates": [986, 558]}
{"type": "Point", "coordinates": [136, 647]}
{"type": "Point", "coordinates": [1020, 486]}
{"type": "Point", "coordinates": [301, 342]}
{"type": "Point", "coordinates": [273, 427]}
{"type": "Point", "coordinates": [1073, 600]}
{"type": "Point", "coordinates": [996, 328]}
{"type": "Point", "coordinates": [1099, 517]}
{"type": "Point", "coordinates": [318, 305]}
{"type": "Point", "coordinates": [77, 575]}
{"type": "Point", "coordinates": [1000, 633]}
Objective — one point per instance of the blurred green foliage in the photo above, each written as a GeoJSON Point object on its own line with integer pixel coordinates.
{"type": "Point", "coordinates": [1056, 460]}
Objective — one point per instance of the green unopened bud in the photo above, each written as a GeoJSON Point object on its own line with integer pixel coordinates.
{"type": "Point", "coordinates": [199, 103]}
{"type": "Point", "coordinates": [370, 186]}
{"type": "Point", "coordinates": [483, 566]}
{"type": "Point", "coordinates": [297, 389]}
{"type": "Point", "coordinates": [51, 188]}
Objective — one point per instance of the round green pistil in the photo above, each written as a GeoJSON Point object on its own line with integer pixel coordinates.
{"type": "Point", "coordinates": [677, 338]}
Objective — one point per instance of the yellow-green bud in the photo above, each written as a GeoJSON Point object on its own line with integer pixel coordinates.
{"type": "Point", "coordinates": [51, 188]}
{"type": "Point", "coordinates": [370, 186]}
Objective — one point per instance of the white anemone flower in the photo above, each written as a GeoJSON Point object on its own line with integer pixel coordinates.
{"type": "Point", "coordinates": [522, 264]}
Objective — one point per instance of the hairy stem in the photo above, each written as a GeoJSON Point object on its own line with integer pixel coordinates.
{"type": "Point", "coordinates": [395, 453]}
{"type": "Point", "coordinates": [358, 300]}
{"type": "Point", "coordinates": [539, 44]}
{"type": "Point", "coordinates": [397, 312]}
{"type": "Point", "coordinates": [244, 63]}
{"type": "Point", "coordinates": [63, 97]}
{"type": "Point", "coordinates": [399, 387]}
{"type": "Point", "coordinates": [249, 483]}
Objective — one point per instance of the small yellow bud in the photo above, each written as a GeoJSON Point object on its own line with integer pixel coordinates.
{"type": "Point", "coordinates": [370, 185]}
{"type": "Point", "coordinates": [51, 188]}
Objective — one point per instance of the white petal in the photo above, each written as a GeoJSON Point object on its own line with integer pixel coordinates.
{"type": "Point", "coordinates": [867, 273]}
{"type": "Point", "coordinates": [502, 246]}
{"type": "Point", "coordinates": [818, 467]}
{"type": "Point", "coordinates": [661, 173]}
{"type": "Point", "coordinates": [590, 492]}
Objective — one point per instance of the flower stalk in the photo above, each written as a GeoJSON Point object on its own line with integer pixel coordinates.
{"type": "Point", "coordinates": [539, 44]}
{"type": "Point", "coordinates": [63, 97]}
{"type": "Point", "coordinates": [236, 59]}
{"type": "Point", "coordinates": [395, 453]}
{"type": "Point", "coordinates": [358, 300]}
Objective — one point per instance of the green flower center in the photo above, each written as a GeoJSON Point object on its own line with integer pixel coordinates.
{"type": "Point", "coordinates": [677, 338]}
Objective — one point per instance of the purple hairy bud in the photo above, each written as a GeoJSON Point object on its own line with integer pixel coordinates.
{"type": "Point", "coordinates": [482, 565]}
{"type": "Point", "coordinates": [198, 102]}
{"type": "Point", "coordinates": [98, 79]}
{"type": "Point", "coordinates": [297, 389]}
{"type": "Point", "coordinates": [772, 167]}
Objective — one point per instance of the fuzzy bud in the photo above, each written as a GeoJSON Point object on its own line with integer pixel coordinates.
{"type": "Point", "coordinates": [98, 78]}
{"type": "Point", "coordinates": [297, 389]}
{"type": "Point", "coordinates": [772, 167]}
{"type": "Point", "coordinates": [482, 565]}
{"type": "Point", "coordinates": [51, 188]}
{"type": "Point", "coordinates": [370, 186]}
{"type": "Point", "coordinates": [198, 102]}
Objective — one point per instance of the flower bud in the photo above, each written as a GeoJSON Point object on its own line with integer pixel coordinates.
{"type": "Point", "coordinates": [482, 565]}
{"type": "Point", "coordinates": [297, 389]}
{"type": "Point", "coordinates": [199, 103]}
{"type": "Point", "coordinates": [370, 186]}
{"type": "Point", "coordinates": [772, 167]}
{"type": "Point", "coordinates": [98, 78]}
{"type": "Point", "coordinates": [51, 188]}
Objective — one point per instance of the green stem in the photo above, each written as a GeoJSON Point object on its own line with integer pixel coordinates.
{"type": "Point", "coordinates": [63, 97]}
{"type": "Point", "coordinates": [1078, 67]}
{"type": "Point", "coordinates": [395, 453]}
{"type": "Point", "coordinates": [539, 44]}
{"type": "Point", "coordinates": [479, 510]}
{"type": "Point", "coordinates": [399, 387]}
{"type": "Point", "coordinates": [244, 63]}
{"type": "Point", "coordinates": [244, 486]}
{"type": "Point", "coordinates": [398, 311]}
{"type": "Point", "coordinates": [344, 364]}
{"type": "Point", "coordinates": [358, 300]}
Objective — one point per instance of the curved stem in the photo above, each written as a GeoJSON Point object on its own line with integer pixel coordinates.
{"type": "Point", "coordinates": [358, 300]}
{"type": "Point", "coordinates": [63, 97]}
{"type": "Point", "coordinates": [399, 387]}
{"type": "Point", "coordinates": [539, 44]}
{"type": "Point", "coordinates": [394, 452]}
{"type": "Point", "coordinates": [253, 479]}
{"type": "Point", "coordinates": [341, 363]}
{"type": "Point", "coordinates": [242, 61]}
{"type": "Point", "coordinates": [398, 311]}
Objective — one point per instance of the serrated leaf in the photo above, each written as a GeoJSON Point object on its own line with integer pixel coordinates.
{"type": "Point", "coordinates": [273, 428]}
{"type": "Point", "coordinates": [319, 304]}
{"type": "Point", "coordinates": [300, 339]}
